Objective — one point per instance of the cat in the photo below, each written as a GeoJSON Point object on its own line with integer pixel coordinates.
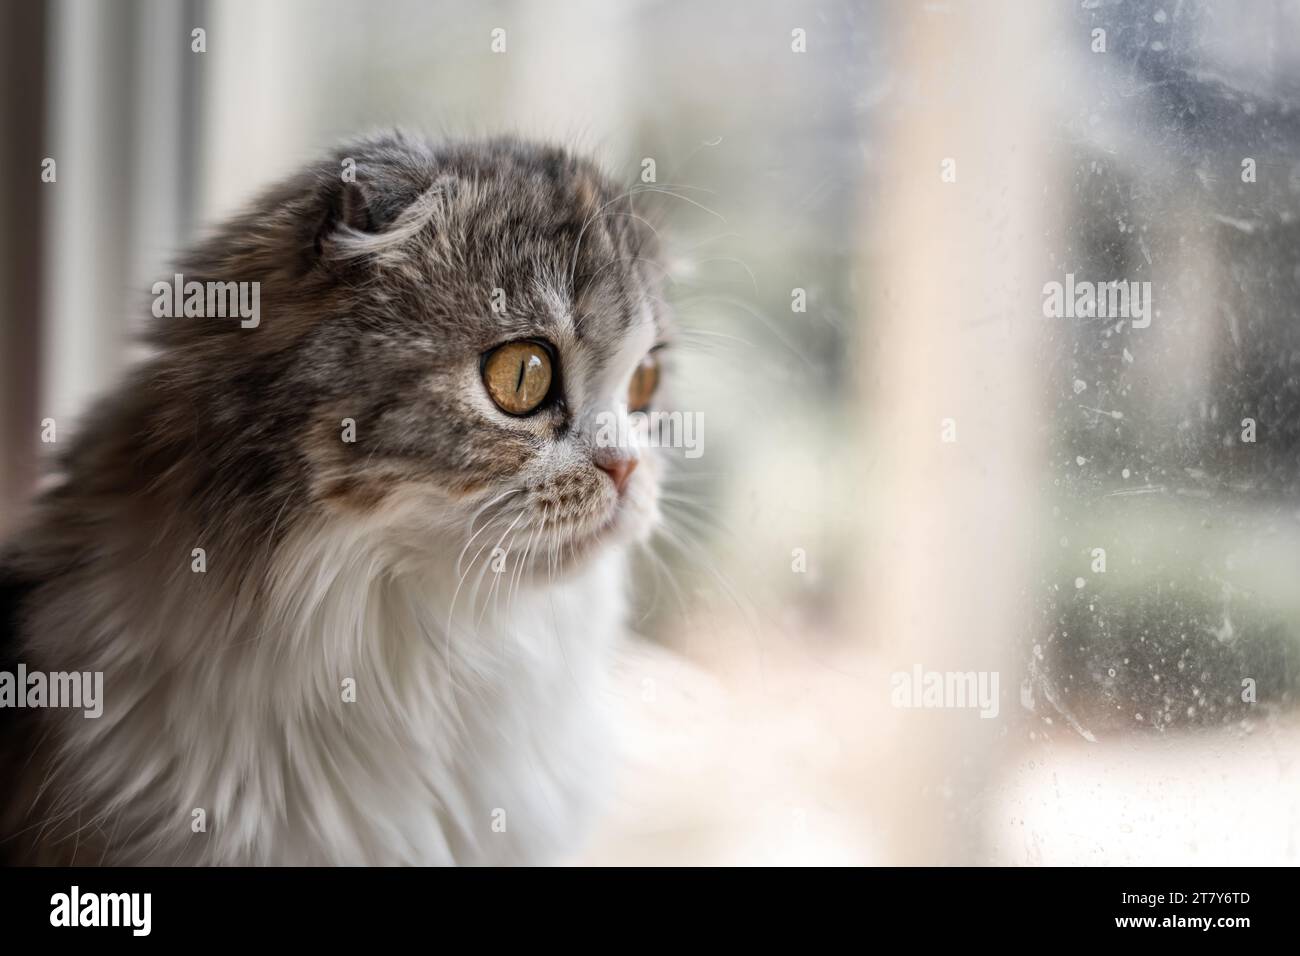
{"type": "Point", "coordinates": [353, 573]}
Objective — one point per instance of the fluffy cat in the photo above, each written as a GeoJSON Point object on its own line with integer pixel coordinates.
{"type": "Point", "coordinates": [391, 647]}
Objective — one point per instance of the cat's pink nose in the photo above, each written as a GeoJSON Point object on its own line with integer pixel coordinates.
{"type": "Point", "coordinates": [619, 469]}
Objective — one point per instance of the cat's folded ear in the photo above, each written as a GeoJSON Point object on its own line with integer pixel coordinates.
{"type": "Point", "coordinates": [346, 210]}
{"type": "Point", "coordinates": [361, 221]}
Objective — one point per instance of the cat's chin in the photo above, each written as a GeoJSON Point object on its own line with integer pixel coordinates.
{"type": "Point", "coordinates": [624, 527]}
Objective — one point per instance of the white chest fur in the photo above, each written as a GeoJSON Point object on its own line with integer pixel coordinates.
{"type": "Point", "coordinates": [482, 744]}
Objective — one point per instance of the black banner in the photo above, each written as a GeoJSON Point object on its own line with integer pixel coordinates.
{"type": "Point", "coordinates": [975, 906]}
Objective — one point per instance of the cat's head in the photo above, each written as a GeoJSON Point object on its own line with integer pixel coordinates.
{"type": "Point", "coordinates": [451, 340]}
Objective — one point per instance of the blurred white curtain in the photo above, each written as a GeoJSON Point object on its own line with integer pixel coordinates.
{"type": "Point", "coordinates": [122, 129]}
{"type": "Point", "coordinates": [950, 538]}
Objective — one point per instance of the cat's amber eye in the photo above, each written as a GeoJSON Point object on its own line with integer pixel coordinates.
{"type": "Point", "coordinates": [645, 380]}
{"type": "Point", "coordinates": [518, 376]}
